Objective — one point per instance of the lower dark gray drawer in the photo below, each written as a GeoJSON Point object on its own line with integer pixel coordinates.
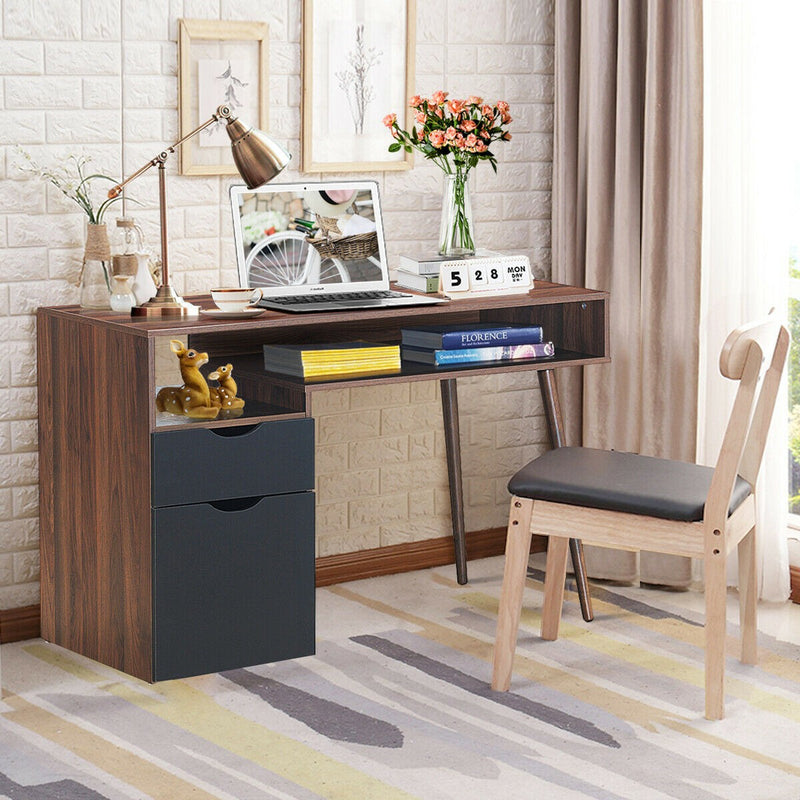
{"type": "Point", "coordinates": [232, 586]}
{"type": "Point", "coordinates": [200, 464]}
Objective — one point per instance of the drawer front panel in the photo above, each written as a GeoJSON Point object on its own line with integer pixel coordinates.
{"type": "Point", "coordinates": [232, 588]}
{"type": "Point", "coordinates": [202, 464]}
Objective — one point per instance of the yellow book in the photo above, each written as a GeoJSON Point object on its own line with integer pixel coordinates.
{"type": "Point", "coordinates": [302, 360]}
{"type": "Point", "coordinates": [330, 356]}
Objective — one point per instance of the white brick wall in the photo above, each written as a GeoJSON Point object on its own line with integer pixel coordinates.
{"type": "Point", "coordinates": [70, 67]}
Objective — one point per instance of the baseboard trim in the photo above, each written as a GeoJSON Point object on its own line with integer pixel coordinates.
{"type": "Point", "coordinates": [17, 624]}
{"type": "Point", "coordinates": [794, 574]}
{"type": "Point", "coordinates": [412, 555]}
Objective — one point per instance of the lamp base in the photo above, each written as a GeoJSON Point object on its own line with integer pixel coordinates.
{"type": "Point", "coordinates": [166, 303]}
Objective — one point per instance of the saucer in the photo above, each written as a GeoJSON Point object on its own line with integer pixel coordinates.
{"type": "Point", "coordinates": [241, 314]}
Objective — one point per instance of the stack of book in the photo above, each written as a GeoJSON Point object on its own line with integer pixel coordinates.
{"type": "Point", "coordinates": [443, 345]}
{"type": "Point", "coordinates": [323, 360]}
{"type": "Point", "coordinates": [421, 274]}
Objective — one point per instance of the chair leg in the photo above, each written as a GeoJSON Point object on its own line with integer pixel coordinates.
{"type": "Point", "coordinates": [748, 598]}
{"type": "Point", "coordinates": [582, 583]}
{"type": "Point", "coordinates": [518, 548]}
{"type": "Point", "coordinates": [554, 579]}
{"type": "Point", "coordinates": [715, 629]}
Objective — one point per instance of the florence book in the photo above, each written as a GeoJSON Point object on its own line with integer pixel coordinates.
{"type": "Point", "coordinates": [476, 355]}
{"type": "Point", "coordinates": [422, 283]}
{"type": "Point", "coordinates": [313, 360]}
{"type": "Point", "coordinates": [459, 336]}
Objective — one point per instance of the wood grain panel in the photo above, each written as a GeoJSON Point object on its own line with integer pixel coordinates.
{"type": "Point", "coordinates": [18, 624]}
{"type": "Point", "coordinates": [46, 336]}
{"type": "Point", "coordinates": [95, 478]}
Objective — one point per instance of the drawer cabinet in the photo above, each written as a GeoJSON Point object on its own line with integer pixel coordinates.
{"type": "Point", "coordinates": [233, 547]}
{"type": "Point", "coordinates": [233, 584]}
{"type": "Point", "coordinates": [200, 464]}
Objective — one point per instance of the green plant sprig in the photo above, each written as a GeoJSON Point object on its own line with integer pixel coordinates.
{"type": "Point", "coordinates": [72, 181]}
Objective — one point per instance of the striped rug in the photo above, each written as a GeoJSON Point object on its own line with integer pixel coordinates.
{"type": "Point", "coordinates": [395, 704]}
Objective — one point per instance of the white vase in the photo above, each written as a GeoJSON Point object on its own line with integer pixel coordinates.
{"type": "Point", "coordinates": [122, 298]}
{"type": "Point", "coordinates": [144, 287]}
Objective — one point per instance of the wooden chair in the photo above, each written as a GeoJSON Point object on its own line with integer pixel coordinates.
{"type": "Point", "coordinates": [634, 502]}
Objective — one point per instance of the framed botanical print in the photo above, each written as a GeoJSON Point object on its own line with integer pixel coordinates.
{"type": "Point", "coordinates": [358, 66]}
{"type": "Point", "coordinates": [220, 62]}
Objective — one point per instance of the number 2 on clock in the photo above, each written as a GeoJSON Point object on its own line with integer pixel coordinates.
{"type": "Point", "coordinates": [478, 276]}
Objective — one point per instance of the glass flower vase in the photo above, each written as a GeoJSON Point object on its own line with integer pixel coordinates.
{"type": "Point", "coordinates": [94, 281]}
{"type": "Point", "coordinates": [456, 231]}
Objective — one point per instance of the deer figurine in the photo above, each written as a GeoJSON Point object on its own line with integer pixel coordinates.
{"type": "Point", "coordinates": [193, 399]}
{"type": "Point", "coordinates": [224, 395]}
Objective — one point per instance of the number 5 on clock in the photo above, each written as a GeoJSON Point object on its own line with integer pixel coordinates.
{"type": "Point", "coordinates": [454, 278]}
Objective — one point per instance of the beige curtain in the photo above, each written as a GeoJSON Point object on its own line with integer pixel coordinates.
{"type": "Point", "coordinates": [627, 192]}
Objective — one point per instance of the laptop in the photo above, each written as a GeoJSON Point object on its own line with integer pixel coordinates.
{"type": "Point", "coordinates": [315, 246]}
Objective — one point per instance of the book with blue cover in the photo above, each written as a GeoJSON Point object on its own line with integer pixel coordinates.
{"type": "Point", "coordinates": [461, 336]}
{"type": "Point", "coordinates": [475, 355]}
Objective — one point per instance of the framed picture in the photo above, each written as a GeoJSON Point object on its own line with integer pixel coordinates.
{"type": "Point", "coordinates": [358, 66]}
{"type": "Point", "coordinates": [219, 62]}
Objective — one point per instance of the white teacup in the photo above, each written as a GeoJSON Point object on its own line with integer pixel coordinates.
{"type": "Point", "coordinates": [235, 299]}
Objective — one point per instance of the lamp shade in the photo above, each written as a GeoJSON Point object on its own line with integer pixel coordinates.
{"type": "Point", "coordinates": [258, 159]}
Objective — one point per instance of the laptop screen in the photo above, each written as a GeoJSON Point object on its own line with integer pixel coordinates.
{"type": "Point", "coordinates": [310, 237]}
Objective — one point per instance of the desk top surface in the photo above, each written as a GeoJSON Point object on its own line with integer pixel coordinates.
{"type": "Point", "coordinates": [543, 293]}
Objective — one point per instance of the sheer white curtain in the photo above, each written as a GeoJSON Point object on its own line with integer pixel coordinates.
{"type": "Point", "coordinates": [750, 137]}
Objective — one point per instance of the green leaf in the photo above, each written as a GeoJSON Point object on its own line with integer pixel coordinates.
{"type": "Point", "coordinates": [394, 147]}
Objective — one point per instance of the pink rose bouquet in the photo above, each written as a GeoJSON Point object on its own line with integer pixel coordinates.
{"type": "Point", "coordinates": [456, 135]}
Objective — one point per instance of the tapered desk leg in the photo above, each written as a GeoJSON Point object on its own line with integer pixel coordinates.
{"type": "Point", "coordinates": [552, 410]}
{"type": "Point", "coordinates": [453, 449]}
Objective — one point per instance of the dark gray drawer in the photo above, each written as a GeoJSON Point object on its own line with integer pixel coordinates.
{"type": "Point", "coordinates": [201, 464]}
{"type": "Point", "coordinates": [233, 584]}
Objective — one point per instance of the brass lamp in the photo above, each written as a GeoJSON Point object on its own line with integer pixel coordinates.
{"type": "Point", "coordinates": [258, 160]}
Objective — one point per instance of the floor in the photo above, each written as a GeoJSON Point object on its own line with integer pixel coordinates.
{"type": "Point", "coordinates": [781, 620]}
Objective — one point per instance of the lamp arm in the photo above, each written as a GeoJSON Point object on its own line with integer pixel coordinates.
{"type": "Point", "coordinates": [222, 112]}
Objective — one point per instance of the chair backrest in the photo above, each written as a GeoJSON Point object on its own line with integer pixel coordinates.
{"type": "Point", "coordinates": [755, 355]}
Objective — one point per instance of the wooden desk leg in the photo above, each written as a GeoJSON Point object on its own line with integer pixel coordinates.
{"type": "Point", "coordinates": [453, 448]}
{"type": "Point", "coordinates": [552, 410]}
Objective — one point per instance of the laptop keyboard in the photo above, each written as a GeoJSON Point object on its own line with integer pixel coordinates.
{"type": "Point", "coordinates": [305, 299]}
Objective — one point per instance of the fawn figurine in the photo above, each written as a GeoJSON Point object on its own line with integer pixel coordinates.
{"type": "Point", "coordinates": [224, 395]}
{"type": "Point", "coordinates": [193, 399]}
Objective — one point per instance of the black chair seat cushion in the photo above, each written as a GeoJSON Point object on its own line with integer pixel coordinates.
{"type": "Point", "coordinates": [608, 479]}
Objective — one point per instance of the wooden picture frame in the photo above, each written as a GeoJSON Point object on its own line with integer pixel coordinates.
{"type": "Point", "coordinates": [231, 56]}
{"type": "Point", "coordinates": [341, 130]}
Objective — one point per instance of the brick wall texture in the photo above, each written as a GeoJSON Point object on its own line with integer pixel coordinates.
{"type": "Point", "coordinates": [100, 79]}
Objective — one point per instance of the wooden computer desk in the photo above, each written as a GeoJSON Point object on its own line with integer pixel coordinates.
{"type": "Point", "coordinates": [138, 514]}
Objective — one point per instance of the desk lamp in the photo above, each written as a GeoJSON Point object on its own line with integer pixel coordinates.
{"type": "Point", "coordinates": [258, 160]}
